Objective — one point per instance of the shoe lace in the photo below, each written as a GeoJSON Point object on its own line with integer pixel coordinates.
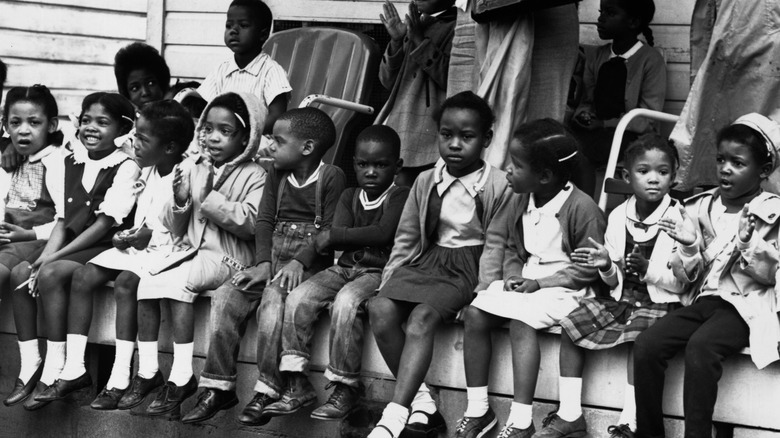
{"type": "Point", "coordinates": [505, 432]}
{"type": "Point", "coordinates": [261, 398]}
{"type": "Point", "coordinates": [618, 431]}
{"type": "Point", "coordinates": [340, 392]}
{"type": "Point", "coordinates": [462, 424]}
{"type": "Point", "coordinates": [550, 418]}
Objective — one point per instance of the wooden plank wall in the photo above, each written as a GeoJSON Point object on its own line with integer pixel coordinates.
{"type": "Point", "coordinates": [70, 44]}
{"type": "Point", "coordinates": [192, 37]}
{"type": "Point", "coordinates": [67, 45]}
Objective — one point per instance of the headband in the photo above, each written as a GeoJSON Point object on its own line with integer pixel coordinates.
{"type": "Point", "coordinates": [240, 120]}
{"type": "Point", "coordinates": [768, 129]}
{"type": "Point", "coordinates": [562, 159]}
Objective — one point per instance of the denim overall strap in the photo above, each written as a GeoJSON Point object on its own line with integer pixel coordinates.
{"type": "Point", "coordinates": [279, 193]}
{"type": "Point", "coordinates": [318, 213]}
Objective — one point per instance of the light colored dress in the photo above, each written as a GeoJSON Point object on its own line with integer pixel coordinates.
{"type": "Point", "coordinates": [153, 191]}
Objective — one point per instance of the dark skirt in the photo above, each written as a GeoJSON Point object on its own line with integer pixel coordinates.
{"type": "Point", "coordinates": [601, 323]}
{"type": "Point", "coordinates": [443, 278]}
{"type": "Point", "coordinates": [14, 253]}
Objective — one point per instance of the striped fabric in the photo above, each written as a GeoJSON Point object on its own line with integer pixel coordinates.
{"type": "Point", "coordinates": [262, 77]}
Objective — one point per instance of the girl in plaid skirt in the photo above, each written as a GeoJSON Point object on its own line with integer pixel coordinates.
{"type": "Point", "coordinates": [634, 263]}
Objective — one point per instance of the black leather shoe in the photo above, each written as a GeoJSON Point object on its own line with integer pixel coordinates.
{"type": "Point", "coordinates": [209, 403]}
{"type": "Point", "coordinates": [435, 424]}
{"type": "Point", "coordinates": [108, 399]}
{"type": "Point", "coordinates": [171, 397]}
{"type": "Point", "coordinates": [299, 393]}
{"type": "Point", "coordinates": [21, 390]}
{"type": "Point", "coordinates": [252, 415]}
{"type": "Point", "coordinates": [139, 389]}
{"type": "Point", "coordinates": [340, 403]}
{"type": "Point", "coordinates": [61, 388]}
{"type": "Point", "coordinates": [31, 404]}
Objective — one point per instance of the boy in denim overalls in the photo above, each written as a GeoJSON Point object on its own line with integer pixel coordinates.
{"type": "Point", "coordinates": [299, 201]}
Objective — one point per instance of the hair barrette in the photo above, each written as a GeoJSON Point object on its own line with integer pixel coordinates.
{"type": "Point", "coordinates": [240, 120]}
{"type": "Point", "coordinates": [561, 160]}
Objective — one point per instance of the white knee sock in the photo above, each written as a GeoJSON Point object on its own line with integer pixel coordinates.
{"type": "Point", "coordinates": [478, 401]}
{"type": "Point", "coordinates": [570, 389]}
{"type": "Point", "coordinates": [422, 402]}
{"type": "Point", "coordinates": [76, 346]}
{"type": "Point", "coordinates": [148, 364]}
{"type": "Point", "coordinates": [628, 416]}
{"type": "Point", "coordinates": [393, 418]}
{"type": "Point", "coordinates": [120, 372]}
{"type": "Point", "coordinates": [181, 370]}
{"type": "Point", "coordinates": [55, 360]}
{"type": "Point", "coordinates": [520, 416]}
{"type": "Point", "coordinates": [30, 357]}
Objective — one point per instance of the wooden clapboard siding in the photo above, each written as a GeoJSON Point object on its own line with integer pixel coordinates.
{"type": "Point", "coordinates": [193, 31]}
{"type": "Point", "coordinates": [67, 45]}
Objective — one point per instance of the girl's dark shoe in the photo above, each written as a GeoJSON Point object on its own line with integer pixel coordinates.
{"type": "Point", "coordinates": [62, 388]}
{"type": "Point", "coordinates": [171, 397]}
{"type": "Point", "coordinates": [620, 431]}
{"type": "Point", "coordinates": [108, 399]}
{"type": "Point", "coordinates": [139, 389]}
{"type": "Point", "coordinates": [432, 427]}
{"type": "Point", "coordinates": [31, 404]}
{"type": "Point", "coordinates": [23, 390]}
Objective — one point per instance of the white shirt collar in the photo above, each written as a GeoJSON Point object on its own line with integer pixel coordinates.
{"type": "Point", "coordinates": [647, 229]}
{"type": "Point", "coordinates": [629, 53]}
{"type": "Point", "coordinates": [376, 203]}
{"type": "Point", "coordinates": [473, 182]}
{"type": "Point", "coordinates": [81, 155]}
{"type": "Point", "coordinates": [253, 67]}
{"type": "Point", "coordinates": [41, 154]}
{"type": "Point", "coordinates": [312, 178]}
{"type": "Point", "coordinates": [554, 205]}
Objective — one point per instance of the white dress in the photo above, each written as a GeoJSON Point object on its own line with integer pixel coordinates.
{"type": "Point", "coordinates": [153, 192]}
{"type": "Point", "coordinates": [543, 239]}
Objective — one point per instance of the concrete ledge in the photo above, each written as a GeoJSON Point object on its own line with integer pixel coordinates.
{"type": "Point", "coordinates": [748, 397]}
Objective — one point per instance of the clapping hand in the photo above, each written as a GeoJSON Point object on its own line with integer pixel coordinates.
{"type": "Point", "coordinates": [636, 262]}
{"type": "Point", "coordinates": [683, 231]}
{"type": "Point", "coordinates": [181, 186]}
{"type": "Point", "coordinates": [747, 223]}
{"type": "Point", "coordinates": [395, 26]}
{"type": "Point", "coordinates": [595, 257]}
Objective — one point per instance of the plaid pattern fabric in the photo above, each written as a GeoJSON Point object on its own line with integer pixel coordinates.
{"type": "Point", "coordinates": [26, 186]}
{"type": "Point", "coordinates": [601, 323]}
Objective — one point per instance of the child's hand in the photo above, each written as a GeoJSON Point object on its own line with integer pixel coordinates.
{"type": "Point", "coordinates": [322, 241]}
{"type": "Point", "coordinates": [512, 282]}
{"type": "Point", "coordinates": [636, 262]}
{"type": "Point", "coordinates": [251, 277]}
{"type": "Point", "coordinates": [596, 257]}
{"type": "Point", "coordinates": [392, 21]}
{"type": "Point", "coordinates": [209, 184]}
{"type": "Point", "coordinates": [682, 231]}
{"type": "Point", "coordinates": [290, 275]}
{"type": "Point", "coordinates": [14, 233]}
{"type": "Point", "coordinates": [120, 241]}
{"type": "Point", "coordinates": [414, 27]}
{"type": "Point", "coordinates": [747, 223]}
{"type": "Point", "coordinates": [139, 239]}
{"type": "Point", "coordinates": [181, 187]}
{"type": "Point", "coordinates": [10, 159]}
{"type": "Point", "coordinates": [526, 286]}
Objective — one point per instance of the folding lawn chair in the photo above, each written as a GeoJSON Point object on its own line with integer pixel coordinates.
{"type": "Point", "coordinates": [611, 184]}
{"type": "Point", "coordinates": [332, 69]}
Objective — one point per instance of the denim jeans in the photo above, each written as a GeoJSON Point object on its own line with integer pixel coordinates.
{"type": "Point", "coordinates": [345, 291]}
{"type": "Point", "coordinates": [231, 308]}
